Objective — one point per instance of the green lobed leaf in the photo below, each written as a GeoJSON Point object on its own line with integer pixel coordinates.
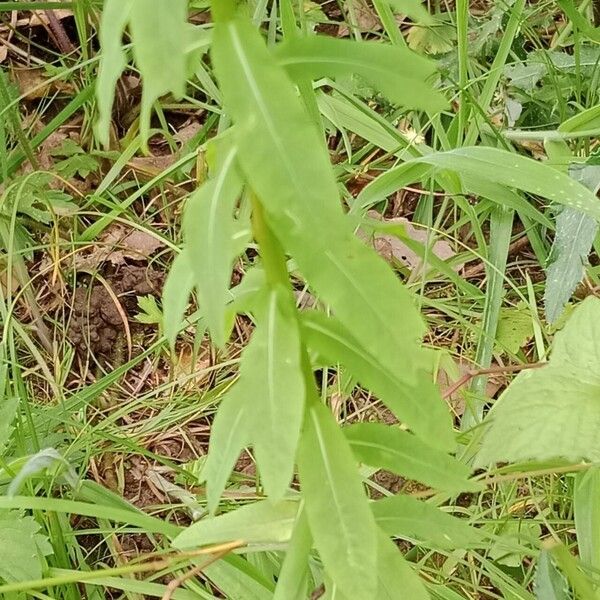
{"type": "Point", "coordinates": [575, 234]}
{"type": "Point", "coordinates": [388, 447]}
{"type": "Point", "coordinates": [418, 405]}
{"type": "Point", "coordinates": [209, 228]}
{"type": "Point", "coordinates": [412, 8]}
{"type": "Point", "coordinates": [553, 412]}
{"type": "Point", "coordinates": [339, 516]}
{"type": "Point", "coordinates": [22, 547]}
{"type": "Point", "coordinates": [260, 522]}
{"type": "Point", "coordinates": [395, 71]}
{"type": "Point", "coordinates": [273, 131]}
{"type": "Point", "coordinates": [408, 518]}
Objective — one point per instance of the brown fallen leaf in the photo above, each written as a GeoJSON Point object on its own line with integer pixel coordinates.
{"type": "Point", "coordinates": [34, 84]}
{"type": "Point", "coordinates": [365, 18]}
{"type": "Point", "coordinates": [116, 245]}
{"type": "Point", "coordinates": [393, 249]}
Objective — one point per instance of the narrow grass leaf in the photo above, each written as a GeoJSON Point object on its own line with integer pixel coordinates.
{"type": "Point", "coordinates": [273, 381]}
{"type": "Point", "coordinates": [8, 411]}
{"type": "Point", "coordinates": [209, 228]}
{"type": "Point", "coordinates": [587, 516]}
{"type": "Point", "coordinates": [176, 294]}
{"type": "Point", "coordinates": [493, 165]}
{"type": "Point", "coordinates": [575, 234]}
{"type": "Point", "coordinates": [273, 131]}
{"type": "Point", "coordinates": [390, 448]}
{"type": "Point", "coordinates": [411, 519]}
{"type": "Point", "coordinates": [237, 579]}
{"type": "Point", "coordinates": [340, 519]}
{"type": "Point", "coordinates": [229, 435]}
{"type": "Point", "coordinates": [260, 522]}
{"type": "Point", "coordinates": [395, 71]}
{"type": "Point", "coordinates": [552, 412]}
{"type": "Point", "coordinates": [418, 405]}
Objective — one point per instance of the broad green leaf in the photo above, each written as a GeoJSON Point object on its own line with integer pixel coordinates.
{"type": "Point", "coordinates": [496, 166]}
{"type": "Point", "coordinates": [279, 152]}
{"type": "Point", "coordinates": [261, 522]}
{"type": "Point", "coordinates": [176, 294]}
{"type": "Point", "coordinates": [408, 518]}
{"type": "Point", "coordinates": [395, 575]}
{"type": "Point", "coordinates": [292, 582]}
{"type": "Point", "coordinates": [388, 447]}
{"type": "Point", "coordinates": [115, 14]}
{"type": "Point", "coordinates": [209, 228]}
{"type": "Point", "coordinates": [553, 412]}
{"type": "Point", "coordinates": [395, 71]}
{"type": "Point", "coordinates": [549, 582]}
{"type": "Point", "coordinates": [272, 378]}
{"type": "Point", "coordinates": [237, 579]}
{"type": "Point", "coordinates": [22, 548]}
{"type": "Point", "coordinates": [229, 435]}
{"type": "Point", "coordinates": [339, 516]}
{"type": "Point", "coordinates": [586, 506]}
{"type": "Point", "coordinates": [575, 233]}
{"type": "Point", "coordinates": [418, 405]}
{"type": "Point", "coordinates": [161, 59]}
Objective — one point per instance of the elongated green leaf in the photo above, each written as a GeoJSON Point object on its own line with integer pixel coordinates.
{"type": "Point", "coordinates": [586, 503]}
{"type": "Point", "coordinates": [555, 411]}
{"type": "Point", "coordinates": [396, 72]}
{"type": "Point", "coordinates": [497, 166]}
{"type": "Point", "coordinates": [273, 380]}
{"type": "Point", "coordinates": [549, 582]}
{"type": "Point", "coordinates": [390, 448]}
{"type": "Point", "coordinates": [293, 578]}
{"type": "Point", "coordinates": [280, 151]}
{"type": "Point", "coordinates": [8, 411]}
{"type": "Point", "coordinates": [395, 575]}
{"type": "Point", "coordinates": [176, 294]}
{"type": "Point", "coordinates": [261, 522]}
{"type": "Point", "coordinates": [162, 59]}
{"type": "Point", "coordinates": [409, 518]}
{"type": "Point", "coordinates": [340, 520]}
{"type": "Point", "coordinates": [115, 15]}
{"type": "Point", "coordinates": [237, 579]}
{"type": "Point", "coordinates": [209, 229]}
{"type": "Point", "coordinates": [229, 435]}
{"type": "Point", "coordinates": [418, 405]}
{"type": "Point", "coordinates": [575, 233]}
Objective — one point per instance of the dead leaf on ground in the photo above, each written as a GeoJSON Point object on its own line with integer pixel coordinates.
{"type": "Point", "coordinates": [365, 18]}
{"type": "Point", "coordinates": [194, 372]}
{"type": "Point", "coordinates": [39, 17]}
{"type": "Point", "coordinates": [447, 377]}
{"type": "Point", "coordinates": [116, 245]}
{"type": "Point", "coordinates": [34, 84]}
{"type": "Point", "coordinates": [393, 249]}
{"type": "Point", "coordinates": [152, 165]}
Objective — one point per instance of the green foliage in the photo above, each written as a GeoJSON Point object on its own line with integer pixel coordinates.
{"type": "Point", "coordinates": [22, 548]}
{"type": "Point", "coordinates": [552, 412]}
